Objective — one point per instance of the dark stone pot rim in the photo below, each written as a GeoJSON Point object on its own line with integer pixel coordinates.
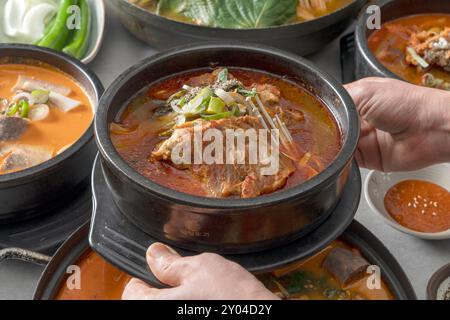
{"type": "Point", "coordinates": [436, 280]}
{"type": "Point", "coordinates": [357, 235]}
{"type": "Point", "coordinates": [25, 176]}
{"type": "Point", "coordinates": [362, 45]}
{"type": "Point", "coordinates": [275, 31]}
{"type": "Point", "coordinates": [119, 166]}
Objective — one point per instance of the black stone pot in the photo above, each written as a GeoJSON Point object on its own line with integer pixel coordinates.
{"type": "Point", "coordinates": [366, 64]}
{"type": "Point", "coordinates": [70, 252]}
{"type": "Point", "coordinates": [43, 188]}
{"type": "Point", "coordinates": [301, 38]}
{"type": "Point", "coordinates": [226, 225]}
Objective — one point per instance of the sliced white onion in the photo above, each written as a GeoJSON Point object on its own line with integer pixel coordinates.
{"type": "Point", "coordinates": [421, 61]}
{"type": "Point", "coordinates": [193, 105]}
{"type": "Point", "coordinates": [62, 102]}
{"type": "Point", "coordinates": [225, 96]}
{"type": "Point", "coordinates": [33, 25]}
{"type": "Point", "coordinates": [14, 12]}
{"type": "Point", "coordinates": [176, 108]}
{"type": "Point", "coordinates": [24, 96]}
{"type": "Point", "coordinates": [39, 112]}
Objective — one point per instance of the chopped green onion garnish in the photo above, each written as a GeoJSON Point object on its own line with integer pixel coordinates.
{"type": "Point", "coordinates": [247, 93]}
{"type": "Point", "coordinates": [205, 93]}
{"type": "Point", "coordinates": [40, 96]}
{"type": "Point", "coordinates": [218, 116]}
{"type": "Point", "coordinates": [223, 75]}
{"type": "Point", "coordinates": [216, 105]}
{"type": "Point", "coordinates": [24, 108]}
{"type": "Point", "coordinates": [12, 110]}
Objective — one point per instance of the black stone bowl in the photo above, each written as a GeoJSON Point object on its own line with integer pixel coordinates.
{"type": "Point", "coordinates": [435, 282]}
{"type": "Point", "coordinates": [226, 225]}
{"type": "Point", "coordinates": [366, 64]}
{"type": "Point", "coordinates": [301, 38]}
{"type": "Point", "coordinates": [69, 254]}
{"type": "Point", "coordinates": [43, 188]}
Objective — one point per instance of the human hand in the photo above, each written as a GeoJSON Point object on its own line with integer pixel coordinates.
{"type": "Point", "coordinates": [203, 277]}
{"type": "Point", "coordinates": [404, 127]}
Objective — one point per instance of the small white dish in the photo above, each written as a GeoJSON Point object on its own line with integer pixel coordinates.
{"type": "Point", "coordinates": [97, 31]}
{"type": "Point", "coordinates": [378, 183]}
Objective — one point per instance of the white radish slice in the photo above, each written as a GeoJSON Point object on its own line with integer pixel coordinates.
{"type": "Point", "coordinates": [29, 84]}
{"type": "Point", "coordinates": [34, 21]}
{"type": "Point", "coordinates": [14, 12]}
{"type": "Point", "coordinates": [39, 112]}
{"type": "Point", "coordinates": [24, 96]}
{"type": "Point", "coordinates": [62, 102]}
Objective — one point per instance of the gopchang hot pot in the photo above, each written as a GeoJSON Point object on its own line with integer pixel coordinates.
{"type": "Point", "coordinates": [412, 43]}
{"type": "Point", "coordinates": [226, 208]}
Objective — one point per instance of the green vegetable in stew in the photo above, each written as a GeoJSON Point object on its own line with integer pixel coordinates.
{"type": "Point", "coordinates": [216, 105]}
{"type": "Point", "coordinates": [12, 110]}
{"type": "Point", "coordinates": [223, 115]}
{"type": "Point", "coordinates": [223, 75]}
{"type": "Point", "coordinates": [40, 96]}
{"type": "Point", "coordinates": [24, 108]}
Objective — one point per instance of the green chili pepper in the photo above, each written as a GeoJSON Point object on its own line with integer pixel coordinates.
{"type": "Point", "coordinates": [12, 110]}
{"type": "Point", "coordinates": [80, 41]}
{"type": "Point", "coordinates": [47, 29]}
{"type": "Point", "coordinates": [59, 32]}
{"type": "Point", "coordinates": [24, 108]}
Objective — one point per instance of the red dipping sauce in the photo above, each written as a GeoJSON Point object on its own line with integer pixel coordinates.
{"type": "Point", "coordinates": [419, 205]}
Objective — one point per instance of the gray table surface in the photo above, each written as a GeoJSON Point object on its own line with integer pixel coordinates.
{"type": "Point", "coordinates": [120, 50]}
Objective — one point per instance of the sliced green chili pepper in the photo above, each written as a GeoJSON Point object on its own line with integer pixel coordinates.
{"type": "Point", "coordinates": [59, 32]}
{"type": "Point", "coordinates": [24, 108]}
{"type": "Point", "coordinates": [80, 41]}
{"type": "Point", "coordinates": [12, 109]}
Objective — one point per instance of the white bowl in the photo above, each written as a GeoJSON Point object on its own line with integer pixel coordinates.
{"type": "Point", "coordinates": [378, 183]}
{"type": "Point", "coordinates": [97, 29]}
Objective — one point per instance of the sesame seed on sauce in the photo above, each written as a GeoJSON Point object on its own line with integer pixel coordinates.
{"type": "Point", "coordinates": [419, 205]}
